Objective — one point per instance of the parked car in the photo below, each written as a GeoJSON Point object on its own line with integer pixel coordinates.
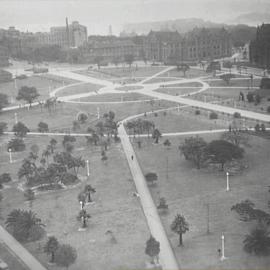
{"type": "Point", "coordinates": [21, 77]}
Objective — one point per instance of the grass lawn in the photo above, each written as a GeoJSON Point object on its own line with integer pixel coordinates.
{"type": "Point", "coordinates": [176, 91]}
{"type": "Point", "coordinates": [126, 71]}
{"type": "Point", "coordinates": [191, 73]}
{"type": "Point", "coordinates": [62, 118]}
{"type": "Point", "coordinates": [161, 80]}
{"type": "Point", "coordinates": [78, 89]}
{"type": "Point", "coordinates": [116, 97]}
{"type": "Point", "coordinates": [182, 121]}
{"type": "Point", "coordinates": [234, 82]}
{"type": "Point", "coordinates": [187, 192]}
{"type": "Point", "coordinates": [120, 214]}
{"type": "Point", "coordinates": [42, 84]}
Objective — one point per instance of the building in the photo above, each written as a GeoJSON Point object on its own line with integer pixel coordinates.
{"type": "Point", "coordinates": [110, 48]}
{"type": "Point", "coordinates": [206, 44]}
{"type": "Point", "coordinates": [71, 35]}
{"type": "Point", "coordinates": [200, 44]}
{"type": "Point", "coordinates": [162, 45]}
{"type": "Point", "coordinates": [4, 56]}
{"type": "Point", "coordinates": [259, 50]}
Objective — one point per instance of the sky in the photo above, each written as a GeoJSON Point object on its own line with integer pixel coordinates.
{"type": "Point", "coordinates": [97, 15]}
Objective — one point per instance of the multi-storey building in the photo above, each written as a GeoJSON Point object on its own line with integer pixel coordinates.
{"type": "Point", "coordinates": [259, 50]}
{"type": "Point", "coordinates": [199, 44]}
{"type": "Point", "coordinates": [3, 56]}
{"type": "Point", "coordinates": [110, 48]}
{"type": "Point", "coordinates": [162, 45]}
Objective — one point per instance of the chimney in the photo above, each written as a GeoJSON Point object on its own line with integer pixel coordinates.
{"type": "Point", "coordinates": [67, 30]}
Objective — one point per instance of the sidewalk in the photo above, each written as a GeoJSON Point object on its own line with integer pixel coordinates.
{"type": "Point", "coordinates": [31, 262]}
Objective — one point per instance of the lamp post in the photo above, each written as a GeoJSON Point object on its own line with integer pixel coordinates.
{"type": "Point", "coordinates": [222, 248]}
{"type": "Point", "coordinates": [98, 113]}
{"type": "Point", "coordinates": [228, 182]}
{"type": "Point", "coordinates": [16, 118]}
{"type": "Point", "coordinates": [10, 155]}
{"type": "Point", "coordinates": [81, 203]}
{"type": "Point", "coordinates": [87, 167]}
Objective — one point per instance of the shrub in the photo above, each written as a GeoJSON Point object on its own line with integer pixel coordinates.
{"type": "Point", "coordinates": [82, 117]}
{"type": "Point", "coordinates": [156, 114]}
{"type": "Point", "coordinates": [263, 127]}
{"type": "Point", "coordinates": [250, 97]}
{"type": "Point", "coordinates": [197, 112]}
{"type": "Point", "coordinates": [237, 115]}
{"type": "Point", "coordinates": [43, 127]}
{"type": "Point", "coordinates": [16, 145]}
{"type": "Point", "coordinates": [4, 178]}
{"type": "Point", "coordinates": [257, 128]}
{"type": "Point", "coordinates": [213, 115]}
{"type": "Point", "coordinates": [69, 179]}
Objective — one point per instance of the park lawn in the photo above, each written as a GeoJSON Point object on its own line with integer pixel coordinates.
{"type": "Point", "coordinates": [188, 190]}
{"type": "Point", "coordinates": [61, 119]}
{"type": "Point", "coordinates": [191, 73]}
{"type": "Point", "coordinates": [182, 121]}
{"type": "Point", "coordinates": [43, 85]}
{"type": "Point", "coordinates": [116, 97]}
{"type": "Point", "coordinates": [10, 259]}
{"type": "Point", "coordinates": [58, 210]}
{"type": "Point", "coordinates": [146, 71]}
{"type": "Point", "coordinates": [161, 80]}
{"type": "Point", "coordinates": [186, 84]}
{"type": "Point", "coordinates": [243, 82]}
{"type": "Point", "coordinates": [177, 91]}
{"type": "Point", "coordinates": [79, 89]}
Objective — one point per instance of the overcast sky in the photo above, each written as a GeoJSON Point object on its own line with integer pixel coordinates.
{"type": "Point", "coordinates": [97, 15]}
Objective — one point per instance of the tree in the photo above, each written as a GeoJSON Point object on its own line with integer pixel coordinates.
{"type": "Point", "coordinates": [129, 59]}
{"type": "Point", "coordinates": [43, 127]}
{"type": "Point", "coordinates": [52, 144]}
{"type": "Point", "coordinates": [22, 223]}
{"type": "Point", "coordinates": [29, 194]}
{"type": "Point", "coordinates": [3, 127]}
{"type": "Point", "coordinates": [16, 145]}
{"type": "Point", "coordinates": [88, 189]}
{"type": "Point", "coordinates": [151, 177]}
{"type": "Point", "coordinates": [82, 198]}
{"type": "Point", "coordinates": [4, 178]}
{"type": "Point", "coordinates": [194, 150]}
{"type": "Point", "coordinates": [51, 247]}
{"type": "Point", "coordinates": [98, 60]}
{"type": "Point", "coordinates": [250, 97]}
{"type": "Point", "coordinates": [237, 137]}
{"type": "Point", "coordinates": [20, 129]}
{"type": "Point", "coordinates": [3, 101]}
{"type": "Point", "coordinates": [82, 117]}
{"type": "Point", "coordinates": [180, 226]}
{"type": "Point", "coordinates": [167, 143]}
{"type": "Point", "coordinates": [183, 67]}
{"type": "Point", "coordinates": [227, 77]}
{"type": "Point", "coordinates": [156, 135]}
{"type": "Point", "coordinates": [220, 151]}
{"type": "Point", "coordinates": [65, 255]}
{"type": "Point", "coordinates": [258, 241]}
{"type": "Point", "coordinates": [29, 94]}
{"type": "Point", "coordinates": [152, 248]}
{"type": "Point", "coordinates": [83, 216]}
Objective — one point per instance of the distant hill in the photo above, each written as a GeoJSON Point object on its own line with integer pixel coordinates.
{"type": "Point", "coordinates": [241, 34]}
{"type": "Point", "coordinates": [253, 18]}
{"type": "Point", "coordinates": [181, 25]}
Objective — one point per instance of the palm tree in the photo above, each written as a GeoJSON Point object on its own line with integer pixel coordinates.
{"type": "Point", "coordinates": [156, 135]}
{"type": "Point", "coordinates": [21, 222]}
{"type": "Point", "coordinates": [27, 170]}
{"type": "Point", "coordinates": [258, 241]}
{"type": "Point", "coordinates": [180, 226]}
{"type": "Point", "coordinates": [83, 216]}
{"type": "Point", "coordinates": [46, 153]}
{"type": "Point", "coordinates": [51, 246]}
{"type": "Point", "coordinates": [88, 189]}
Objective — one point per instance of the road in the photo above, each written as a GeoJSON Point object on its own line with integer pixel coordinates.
{"type": "Point", "coordinates": [28, 259]}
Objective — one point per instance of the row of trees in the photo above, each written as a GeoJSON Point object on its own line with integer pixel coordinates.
{"type": "Point", "coordinates": [198, 151]}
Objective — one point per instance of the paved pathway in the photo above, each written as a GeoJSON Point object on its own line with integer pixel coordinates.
{"type": "Point", "coordinates": [167, 257]}
{"type": "Point", "coordinates": [28, 259]}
